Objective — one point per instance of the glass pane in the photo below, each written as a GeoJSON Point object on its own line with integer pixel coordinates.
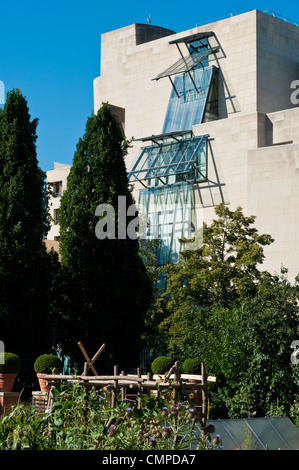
{"type": "Point", "coordinates": [287, 430]}
{"type": "Point", "coordinates": [267, 434]}
{"type": "Point", "coordinates": [165, 215]}
{"type": "Point", "coordinates": [242, 434]}
{"type": "Point", "coordinates": [170, 159]}
{"type": "Point", "coordinates": [186, 64]}
{"type": "Point", "coordinates": [187, 110]}
{"type": "Point", "coordinates": [227, 441]}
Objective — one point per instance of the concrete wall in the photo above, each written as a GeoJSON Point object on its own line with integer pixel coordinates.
{"type": "Point", "coordinates": [273, 197]}
{"type": "Point", "coordinates": [60, 172]}
{"type": "Point", "coordinates": [277, 62]}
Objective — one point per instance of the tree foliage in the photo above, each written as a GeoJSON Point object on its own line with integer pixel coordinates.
{"type": "Point", "coordinates": [25, 277]}
{"type": "Point", "coordinates": [105, 289]}
{"type": "Point", "coordinates": [238, 319]}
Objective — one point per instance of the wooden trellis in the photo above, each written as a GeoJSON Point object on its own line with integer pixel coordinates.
{"type": "Point", "coordinates": [124, 385]}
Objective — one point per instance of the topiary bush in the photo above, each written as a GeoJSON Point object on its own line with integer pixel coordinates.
{"type": "Point", "coordinates": [12, 363]}
{"type": "Point", "coordinates": [46, 362]}
{"type": "Point", "coordinates": [192, 366]}
{"type": "Point", "coordinates": [161, 364]}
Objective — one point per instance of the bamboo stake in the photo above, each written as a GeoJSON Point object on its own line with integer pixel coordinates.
{"type": "Point", "coordinates": [124, 389]}
{"type": "Point", "coordinates": [87, 358]}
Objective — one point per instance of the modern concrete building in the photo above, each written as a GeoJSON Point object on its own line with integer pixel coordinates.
{"type": "Point", "coordinates": [212, 119]}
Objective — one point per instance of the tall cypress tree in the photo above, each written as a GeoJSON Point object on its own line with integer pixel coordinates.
{"type": "Point", "coordinates": [24, 220]}
{"type": "Point", "coordinates": [108, 287]}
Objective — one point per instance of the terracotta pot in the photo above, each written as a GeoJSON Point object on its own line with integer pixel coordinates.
{"type": "Point", "coordinates": [43, 383]}
{"type": "Point", "coordinates": [7, 382]}
{"type": "Point", "coordinates": [159, 377]}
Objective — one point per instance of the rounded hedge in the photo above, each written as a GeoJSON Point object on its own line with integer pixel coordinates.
{"type": "Point", "coordinates": [12, 363]}
{"type": "Point", "coordinates": [45, 363]}
{"type": "Point", "coordinates": [161, 364]}
{"type": "Point", "coordinates": [192, 366]}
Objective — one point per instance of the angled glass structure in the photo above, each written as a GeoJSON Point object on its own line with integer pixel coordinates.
{"type": "Point", "coordinates": [171, 160]}
{"type": "Point", "coordinates": [189, 99]}
{"type": "Point", "coordinates": [169, 215]}
{"type": "Point", "coordinates": [186, 64]}
{"type": "Point", "coordinates": [170, 163]}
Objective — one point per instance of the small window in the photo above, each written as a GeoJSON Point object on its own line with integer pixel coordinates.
{"type": "Point", "coordinates": [56, 214]}
{"type": "Point", "coordinates": [57, 188]}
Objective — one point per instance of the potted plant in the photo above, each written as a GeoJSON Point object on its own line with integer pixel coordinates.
{"type": "Point", "coordinates": [44, 365]}
{"type": "Point", "coordinates": [160, 366]}
{"type": "Point", "coordinates": [192, 367]}
{"type": "Point", "coordinates": [10, 365]}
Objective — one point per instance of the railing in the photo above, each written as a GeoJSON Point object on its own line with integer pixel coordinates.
{"type": "Point", "coordinates": [280, 17]}
{"type": "Point", "coordinates": [269, 12]}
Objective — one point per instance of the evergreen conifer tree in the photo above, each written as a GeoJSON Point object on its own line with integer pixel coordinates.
{"type": "Point", "coordinates": [108, 290]}
{"type": "Point", "coordinates": [25, 277]}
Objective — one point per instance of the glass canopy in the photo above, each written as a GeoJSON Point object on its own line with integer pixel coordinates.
{"type": "Point", "coordinates": [185, 64]}
{"type": "Point", "coordinates": [171, 160]}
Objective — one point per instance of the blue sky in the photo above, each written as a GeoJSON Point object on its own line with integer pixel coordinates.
{"type": "Point", "coordinates": [51, 52]}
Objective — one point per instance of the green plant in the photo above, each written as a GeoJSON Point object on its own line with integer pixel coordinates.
{"type": "Point", "coordinates": [191, 366]}
{"type": "Point", "coordinates": [46, 362]}
{"type": "Point", "coordinates": [11, 363]}
{"type": "Point", "coordinates": [161, 364]}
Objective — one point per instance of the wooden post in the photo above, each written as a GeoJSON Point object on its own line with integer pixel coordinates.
{"type": "Point", "coordinates": [85, 373]}
{"type": "Point", "coordinates": [86, 369]}
{"type": "Point", "coordinates": [177, 380]}
{"type": "Point", "coordinates": [204, 394]}
{"type": "Point", "coordinates": [124, 389]}
{"type": "Point", "coordinates": [149, 378]}
{"type": "Point", "coordinates": [90, 362]}
{"type": "Point", "coordinates": [139, 388]}
{"type": "Point", "coordinates": [114, 391]}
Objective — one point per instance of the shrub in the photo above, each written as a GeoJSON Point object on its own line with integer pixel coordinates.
{"type": "Point", "coordinates": [45, 363]}
{"type": "Point", "coordinates": [12, 363]}
{"type": "Point", "coordinates": [192, 366]}
{"type": "Point", "coordinates": [161, 364]}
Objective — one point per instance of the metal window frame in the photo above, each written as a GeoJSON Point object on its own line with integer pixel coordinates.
{"type": "Point", "coordinates": [173, 167]}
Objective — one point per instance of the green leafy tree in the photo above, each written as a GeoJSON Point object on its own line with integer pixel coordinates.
{"type": "Point", "coordinates": [236, 318]}
{"type": "Point", "coordinates": [224, 270]}
{"type": "Point", "coordinates": [106, 290]}
{"type": "Point", "coordinates": [25, 274]}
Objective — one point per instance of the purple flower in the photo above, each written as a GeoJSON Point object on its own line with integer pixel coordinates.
{"type": "Point", "coordinates": [101, 398]}
{"type": "Point", "coordinates": [164, 410]}
{"type": "Point", "coordinates": [111, 429]}
{"type": "Point", "coordinates": [128, 410]}
{"type": "Point", "coordinates": [167, 432]}
{"type": "Point", "coordinates": [174, 410]}
{"type": "Point", "coordinates": [216, 439]}
{"type": "Point", "coordinates": [152, 441]}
